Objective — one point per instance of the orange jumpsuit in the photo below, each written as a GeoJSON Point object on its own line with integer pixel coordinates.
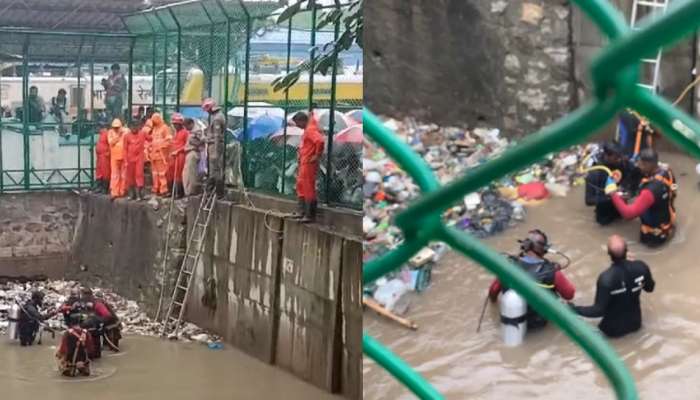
{"type": "Point", "coordinates": [117, 184]}
{"type": "Point", "coordinates": [312, 146]}
{"type": "Point", "coordinates": [102, 172]}
{"type": "Point", "coordinates": [160, 151]}
{"type": "Point", "coordinates": [135, 158]}
{"type": "Point", "coordinates": [178, 155]}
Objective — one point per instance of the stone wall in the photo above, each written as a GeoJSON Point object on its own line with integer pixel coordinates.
{"type": "Point", "coordinates": [37, 232]}
{"type": "Point", "coordinates": [120, 245]}
{"type": "Point", "coordinates": [502, 63]}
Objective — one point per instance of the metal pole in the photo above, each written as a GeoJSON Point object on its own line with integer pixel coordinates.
{"type": "Point", "coordinates": [226, 93]}
{"type": "Point", "coordinates": [179, 58]}
{"type": "Point", "coordinates": [246, 93]}
{"type": "Point", "coordinates": [92, 113]}
{"type": "Point", "coordinates": [312, 61]}
{"type": "Point", "coordinates": [211, 51]}
{"type": "Point", "coordinates": [165, 75]}
{"type": "Point", "coordinates": [2, 171]}
{"type": "Point", "coordinates": [153, 83]}
{"type": "Point", "coordinates": [331, 121]}
{"type": "Point", "coordinates": [130, 84]}
{"type": "Point", "coordinates": [80, 104]}
{"type": "Point", "coordinates": [25, 110]}
{"type": "Point", "coordinates": [286, 104]}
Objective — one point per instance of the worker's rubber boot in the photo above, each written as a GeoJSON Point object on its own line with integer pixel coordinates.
{"type": "Point", "coordinates": [179, 190]}
{"type": "Point", "coordinates": [313, 209]}
{"type": "Point", "coordinates": [132, 193]}
{"type": "Point", "coordinates": [139, 193]}
{"type": "Point", "coordinates": [307, 213]}
{"type": "Point", "coordinates": [105, 186]}
{"type": "Point", "coordinates": [299, 214]}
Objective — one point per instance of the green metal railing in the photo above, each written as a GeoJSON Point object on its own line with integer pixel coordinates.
{"type": "Point", "coordinates": [614, 75]}
{"type": "Point", "coordinates": [162, 45]}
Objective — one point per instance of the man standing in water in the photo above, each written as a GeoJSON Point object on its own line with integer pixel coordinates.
{"type": "Point", "coordinates": [655, 204]}
{"type": "Point", "coordinates": [546, 273]}
{"type": "Point", "coordinates": [617, 292]}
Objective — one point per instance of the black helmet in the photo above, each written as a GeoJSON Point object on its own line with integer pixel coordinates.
{"type": "Point", "coordinates": [535, 241]}
{"type": "Point", "coordinates": [37, 296]}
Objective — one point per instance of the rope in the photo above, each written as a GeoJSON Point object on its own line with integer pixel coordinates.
{"type": "Point", "coordinates": [686, 90]}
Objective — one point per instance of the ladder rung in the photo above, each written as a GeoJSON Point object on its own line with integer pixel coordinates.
{"type": "Point", "coordinates": [651, 4]}
{"type": "Point", "coordinates": [191, 255]}
{"type": "Point", "coordinates": [187, 272]}
{"type": "Point", "coordinates": [182, 287]}
{"type": "Point", "coordinates": [650, 87]}
{"type": "Point", "coordinates": [177, 303]}
{"type": "Point", "coordinates": [649, 60]}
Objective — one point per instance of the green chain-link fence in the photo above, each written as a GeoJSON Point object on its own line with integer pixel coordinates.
{"type": "Point", "coordinates": [615, 75]}
{"type": "Point", "coordinates": [172, 57]}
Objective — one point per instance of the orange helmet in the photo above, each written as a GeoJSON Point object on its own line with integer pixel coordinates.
{"type": "Point", "coordinates": [209, 105]}
{"type": "Point", "coordinates": [177, 118]}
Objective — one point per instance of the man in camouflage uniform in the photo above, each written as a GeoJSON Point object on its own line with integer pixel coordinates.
{"type": "Point", "coordinates": [215, 146]}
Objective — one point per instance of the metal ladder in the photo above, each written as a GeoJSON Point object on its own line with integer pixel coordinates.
{"type": "Point", "coordinates": [655, 63]}
{"type": "Point", "coordinates": [176, 309]}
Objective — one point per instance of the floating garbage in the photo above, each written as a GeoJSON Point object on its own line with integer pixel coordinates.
{"type": "Point", "coordinates": [450, 152]}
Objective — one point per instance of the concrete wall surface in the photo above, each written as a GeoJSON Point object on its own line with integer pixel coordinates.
{"type": "Point", "coordinates": [37, 232]}
{"type": "Point", "coordinates": [286, 293]}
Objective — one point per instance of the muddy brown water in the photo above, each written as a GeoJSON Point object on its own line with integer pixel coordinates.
{"type": "Point", "coordinates": [662, 356]}
{"type": "Point", "coordinates": [148, 369]}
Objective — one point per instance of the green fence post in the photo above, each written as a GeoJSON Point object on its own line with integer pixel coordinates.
{"type": "Point", "coordinates": [246, 94]}
{"type": "Point", "coordinates": [331, 121]}
{"type": "Point", "coordinates": [312, 59]}
{"type": "Point", "coordinates": [179, 58]}
{"type": "Point", "coordinates": [153, 83]}
{"type": "Point", "coordinates": [286, 104]}
{"type": "Point", "coordinates": [165, 65]}
{"type": "Point", "coordinates": [25, 110]}
{"type": "Point", "coordinates": [80, 107]}
{"type": "Point", "coordinates": [2, 171]}
{"type": "Point", "coordinates": [130, 84]}
{"type": "Point", "coordinates": [92, 113]}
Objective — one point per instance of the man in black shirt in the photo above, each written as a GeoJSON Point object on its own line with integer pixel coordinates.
{"type": "Point", "coordinates": [613, 158]}
{"type": "Point", "coordinates": [30, 318]}
{"type": "Point", "coordinates": [617, 292]}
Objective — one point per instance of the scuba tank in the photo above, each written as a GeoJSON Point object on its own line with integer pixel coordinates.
{"type": "Point", "coordinates": [13, 317]}
{"type": "Point", "coordinates": [513, 318]}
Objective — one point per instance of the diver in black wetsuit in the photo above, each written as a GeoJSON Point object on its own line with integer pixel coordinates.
{"type": "Point", "coordinates": [612, 157]}
{"type": "Point", "coordinates": [617, 292]}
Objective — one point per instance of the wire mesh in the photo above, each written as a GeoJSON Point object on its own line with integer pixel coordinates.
{"type": "Point", "coordinates": [615, 73]}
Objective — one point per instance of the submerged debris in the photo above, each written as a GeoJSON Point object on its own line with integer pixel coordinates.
{"type": "Point", "coordinates": [451, 152]}
{"type": "Point", "coordinates": [134, 320]}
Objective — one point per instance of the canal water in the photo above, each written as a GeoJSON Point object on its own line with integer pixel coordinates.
{"type": "Point", "coordinates": [147, 369]}
{"type": "Point", "coordinates": [462, 364]}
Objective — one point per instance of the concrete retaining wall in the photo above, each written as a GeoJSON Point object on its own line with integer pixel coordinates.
{"type": "Point", "coordinates": [286, 293]}
{"type": "Point", "coordinates": [37, 232]}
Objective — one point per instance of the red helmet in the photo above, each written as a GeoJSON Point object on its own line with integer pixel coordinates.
{"type": "Point", "coordinates": [209, 104]}
{"type": "Point", "coordinates": [177, 118]}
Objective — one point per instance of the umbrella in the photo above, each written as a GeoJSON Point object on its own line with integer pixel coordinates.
{"type": "Point", "coordinates": [294, 135]}
{"type": "Point", "coordinates": [194, 112]}
{"type": "Point", "coordinates": [355, 116]}
{"type": "Point", "coordinates": [263, 127]}
{"type": "Point", "coordinates": [341, 121]}
{"type": "Point", "coordinates": [257, 109]}
{"type": "Point", "coordinates": [352, 134]}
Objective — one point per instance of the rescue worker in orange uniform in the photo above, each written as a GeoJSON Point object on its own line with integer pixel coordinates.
{"type": "Point", "coordinates": [161, 139]}
{"type": "Point", "coordinates": [310, 152]}
{"type": "Point", "coordinates": [178, 153]}
{"type": "Point", "coordinates": [102, 167]}
{"type": "Point", "coordinates": [135, 142]}
{"type": "Point", "coordinates": [117, 157]}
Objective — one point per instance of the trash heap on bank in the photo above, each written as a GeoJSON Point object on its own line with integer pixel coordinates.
{"type": "Point", "coordinates": [450, 152]}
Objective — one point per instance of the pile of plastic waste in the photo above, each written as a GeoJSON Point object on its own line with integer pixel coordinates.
{"type": "Point", "coordinates": [134, 320]}
{"type": "Point", "coordinates": [451, 152]}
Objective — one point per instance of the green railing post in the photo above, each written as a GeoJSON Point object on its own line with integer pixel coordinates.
{"type": "Point", "coordinates": [2, 171]}
{"type": "Point", "coordinates": [130, 84]}
{"type": "Point", "coordinates": [80, 106]}
{"type": "Point", "coordinates": [25, 110]}
{"type": "Point", "coordinates": [179, 59]}
{"type": "Point", "coordinates": [286, 104]}
{"type": "Point", "coordinates": [92, 112]}
{"type": "Point", "coordinates": [153, 87]}
{"type": "Point", "coordinates": [331, 121]}
{"type": "Point", "coordinates": [246, 94]}
{"type": "Point", "coordinates": [312, 59]}
{"type": "Point", "coordinates": [210, 81]}
{"type": "Point", "coordinates": [165, 65]}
